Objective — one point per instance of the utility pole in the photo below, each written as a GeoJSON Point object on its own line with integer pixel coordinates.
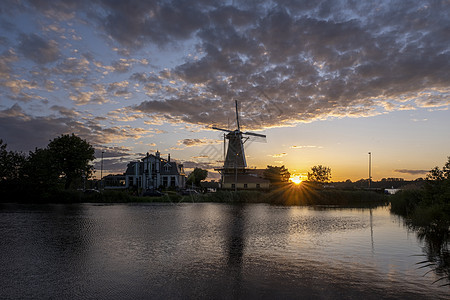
{"type": "Point", "coordinates": [370, 168]}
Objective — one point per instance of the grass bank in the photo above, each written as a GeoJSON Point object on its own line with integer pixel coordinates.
{"type": "Point", "coordinates": [285, 195]}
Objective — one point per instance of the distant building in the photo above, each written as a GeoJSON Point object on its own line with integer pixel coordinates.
{"type": "Point", "coordinates": [244, 181]}
{"type": "Point", "coordinates": [114, 181]}
{"type": "Point", "coordinates": [152, 172]}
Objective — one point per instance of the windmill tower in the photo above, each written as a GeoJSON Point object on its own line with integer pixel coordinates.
{"type": "Point", "coordinates": [235, 162]}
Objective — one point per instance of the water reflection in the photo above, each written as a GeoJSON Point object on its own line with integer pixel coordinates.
{"type": "Point", "coordinates": [235, 243]}
{"type": "Point", "coordinates": [209, 251]}
{"type": "Point", "coordinates": [436, 241]}
{"type": "Point", "coordinates": [235, 238]}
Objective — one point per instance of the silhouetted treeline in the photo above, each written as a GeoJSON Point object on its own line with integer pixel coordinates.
{"type": "Point", "coordinates": [42, 174]}
{"type": "Point", "coordinates": [385, 183]}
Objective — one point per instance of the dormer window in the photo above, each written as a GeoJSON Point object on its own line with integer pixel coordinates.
{"type": "Point", "coordinates": [167, 167]}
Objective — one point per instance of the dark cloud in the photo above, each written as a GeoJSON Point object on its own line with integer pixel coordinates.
{"type": "Point", "coordinates": [195, 164]}
{"type": "Point", "coordinates": [134, 23]}
{"type": "Point", "coordinates": [111, 165]}
{"type": "Point", "coordinates": [24, 132]}
{"type": "Point", "coordinates": [38, 49]}
{"type": "Point", "coordinates": [112, 152]}
{"type": "Point", "coordinates": [196, 142]}
{"type": "Point", "coordinates": [307, 62]}
{"type": "Point", "coordinates": [64, 111]}
{"type": "Point", "coordinates": [121, 66]}
{"type": "Point", "coordinates": [411, 172]}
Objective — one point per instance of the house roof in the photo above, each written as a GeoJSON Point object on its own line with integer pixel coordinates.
{"type": "Point", "coordinates": [130, 168]}
{"type": "Point", "coordinates": [171, 168]}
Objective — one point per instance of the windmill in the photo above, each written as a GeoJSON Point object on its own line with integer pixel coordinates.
{"type": "Point", "coordinates": [235, 161]}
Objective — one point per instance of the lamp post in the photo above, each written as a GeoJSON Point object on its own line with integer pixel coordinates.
{"type": "Point", "coordinates": [370, 168]}
{"type": "Point", "coordinates": [101, 172]}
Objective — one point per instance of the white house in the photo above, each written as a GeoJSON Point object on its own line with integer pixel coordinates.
{"type": "Point", "coordinates": [152, 172]}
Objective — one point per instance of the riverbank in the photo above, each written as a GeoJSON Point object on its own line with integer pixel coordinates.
{"type": "Point", "coordinates": [286, 195]}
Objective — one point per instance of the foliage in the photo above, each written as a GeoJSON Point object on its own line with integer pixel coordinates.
{"type": "Point", "coordinates": [277, 174]}
{"type": "Point", "coordinates": [196, 176]}
{"type": "Point", "coordinates": [436, 193]}
{"type": "Point", "coordinates": [427, 211]}
{"type": "Point", "coordinates": [11, 170]}
{"type": "Point", "coordinates": [40, 176]}
{"type": "Point", "coordinates": [40, 172]}
{"type": "Point", "coordinates": [11, 163]}
{"type": "Point", "coordinates": [70, 156]}
{"type": "Point", "coordinates": [319, 174]}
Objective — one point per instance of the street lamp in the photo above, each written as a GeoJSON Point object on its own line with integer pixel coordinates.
{"type": "Point", "coordinates": [101, 172]}
{"type": "Point", "coordinates": [370, 168]}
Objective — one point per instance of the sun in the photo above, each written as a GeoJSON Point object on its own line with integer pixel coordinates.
{"type": "Point", "coordinates": [295, 178]}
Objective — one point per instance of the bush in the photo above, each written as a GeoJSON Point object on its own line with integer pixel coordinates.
{"type": "Point", "coordinates": [405, 202]}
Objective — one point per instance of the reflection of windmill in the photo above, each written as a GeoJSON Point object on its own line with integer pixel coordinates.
{"type": "Point", "coordinates": [235, 162]}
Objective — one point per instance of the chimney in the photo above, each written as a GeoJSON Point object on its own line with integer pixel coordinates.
{"type": "Point", "coordinates": [157, 153]}
{"type": "Point", "coordinates": [168, 157]}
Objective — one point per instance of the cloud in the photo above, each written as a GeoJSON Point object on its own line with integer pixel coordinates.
{"type": "Point", "coordinates": [411, 172]}
{"type": "Point", "coordinates": [304, 147]}
{"type": "Point", "coordinates": [17, 85]}
{"type": "Point", "coordinates": [38, 49]}
{"type": "Point", "coordinates": [200, 156]}
{"type": "Point", "coordinates": [24, 132]}
{"type": "Point", "coordinates": [6, 59]}
{"type": "Point", "coordinates": [64, 111]}
{"type": "Point", "coordinates": [279, 155]}
{"type": "Point", "coordinates": [284, 61]}
{"type": "Point", "coordinates": [72, 66]}
{"type": "Point", "coordinates": [136, 23]}
{"type": "Point", "coordinates": [196, 142]}
{"type": "Point", "coordinates": [287, 64]}
{"type": "Point", "coordinates": [111, 152]}
{"type": "Point", "coordinates": [91, 97]}
{"type": "Point", "coordinates": [121, 66]}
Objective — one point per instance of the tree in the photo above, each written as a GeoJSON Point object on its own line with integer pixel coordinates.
{"type": "Point", "coordinates": [11, 164]}
{"type": "Point", "coordinates": [196, 176]}
{"type": "Point", "coordinates": [438, 182]}
{"type": "Point", "coordinates": [277, 174]}
{"type": "Point", "coordinates": [71, 156]}
{"type": "Point", "coordinates": [319, 174]}
{"type": "Point", "coordinates": [41, 172]}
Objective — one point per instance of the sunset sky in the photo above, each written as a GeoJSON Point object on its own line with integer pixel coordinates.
{"type": "Point", "coordinates": [326, 81]}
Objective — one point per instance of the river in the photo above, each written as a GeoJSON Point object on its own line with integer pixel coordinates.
{"type": "Point", "coordinates": [205, 250]}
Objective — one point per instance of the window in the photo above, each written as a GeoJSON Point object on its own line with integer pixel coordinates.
{"type": "Point", "coordinates": [245, 185]}
{"type": "Point", "coordinates": [258, 186]}
{"type": "Point", "coordinates": [233, 186]}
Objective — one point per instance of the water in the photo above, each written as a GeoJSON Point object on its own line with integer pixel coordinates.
{"type": "Point", "coordinates": [209, 251]}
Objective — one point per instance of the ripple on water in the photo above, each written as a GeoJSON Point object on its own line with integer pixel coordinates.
{"type": "Point", "coordinates": [208, 251]}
